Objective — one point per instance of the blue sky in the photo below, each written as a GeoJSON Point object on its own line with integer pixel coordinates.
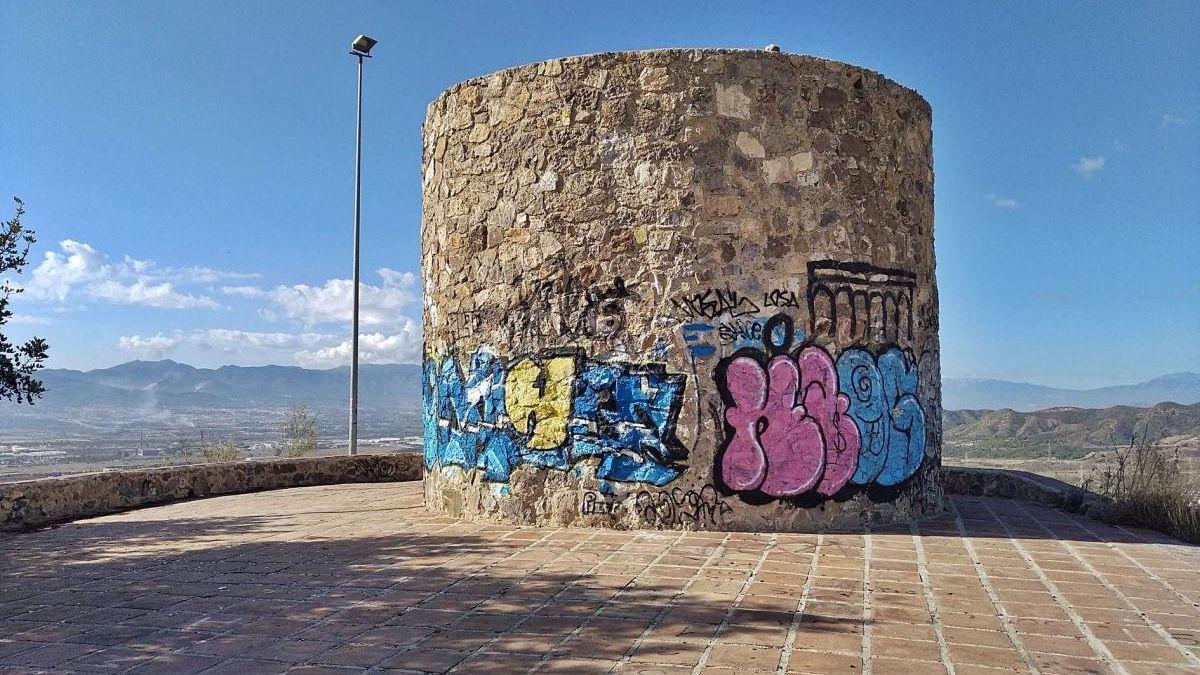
{"type": "Point", "coordinates": [188, 166]}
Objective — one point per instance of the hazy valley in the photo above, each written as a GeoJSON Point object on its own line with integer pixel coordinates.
{"type": "Point", "coordinates": [149, 413]}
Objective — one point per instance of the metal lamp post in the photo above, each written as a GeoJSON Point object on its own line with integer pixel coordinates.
{"type": "Point", "coordinates": [360, 48]}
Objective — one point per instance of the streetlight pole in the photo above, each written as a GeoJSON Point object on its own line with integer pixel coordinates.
{"type": "Point", "coordinates": [360, 48]}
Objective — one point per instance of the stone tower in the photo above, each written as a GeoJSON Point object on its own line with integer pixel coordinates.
{"type": "Point", "coordinates": [681, 289]}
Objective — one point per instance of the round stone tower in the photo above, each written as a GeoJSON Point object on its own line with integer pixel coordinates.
{"type": "Point", "coordinates": [681, 289]}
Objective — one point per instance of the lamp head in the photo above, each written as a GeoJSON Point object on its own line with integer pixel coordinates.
{"type": "Point", "coordinates": [362, 45]}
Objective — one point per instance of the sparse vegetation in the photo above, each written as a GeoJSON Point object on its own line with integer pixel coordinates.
{"type": "Point", "coordinates": [18, 362]}
{"type": "Point", "coordinates": [220, 451]}
{"type": "Point", "coordinates": [1146, 486]}
{"type": "Point", "coordinates": [185, 448]}
{"type": "Point", "coordinates": [299, 433]}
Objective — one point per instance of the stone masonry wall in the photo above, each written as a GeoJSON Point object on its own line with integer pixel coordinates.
{"type": "Point", "coordinates": [681, 289]}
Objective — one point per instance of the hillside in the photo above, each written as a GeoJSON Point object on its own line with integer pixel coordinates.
{"type": "Point", "coordinates": [980, 394]}
{"type": "Point", "coordinates": [1068, 432]}
{"type": "Point", "coordinates": [167, 384]}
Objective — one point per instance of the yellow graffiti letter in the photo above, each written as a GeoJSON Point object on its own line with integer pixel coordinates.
{"type": "Point", "coordinates": [538, 399]}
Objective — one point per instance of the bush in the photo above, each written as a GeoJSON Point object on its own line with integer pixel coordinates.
{"type": "Point", "coordinates": [1145, 486]}
{"type": "Point", "coordinates": [299, 433]}
{"type": "Point", "coordinates": [221, 451]}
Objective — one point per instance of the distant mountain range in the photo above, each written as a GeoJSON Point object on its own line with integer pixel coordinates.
{"type": "Point", "coordinates": [983, 418]}
{"type": "Point", "coordinates": [168, 384]}
{"type": "Point", "coordinates": [978, 394]}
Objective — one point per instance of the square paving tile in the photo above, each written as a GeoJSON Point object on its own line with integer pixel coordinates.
{"type": "Point", "coordinates": [258, 583]}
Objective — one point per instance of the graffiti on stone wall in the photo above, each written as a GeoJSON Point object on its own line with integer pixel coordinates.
{"type": "Point", "coordinates": [721, 316]}
{"type": "Point", "coordinates": [662, 508]}
{"type": "Point", "coordinates": [799, 423]}
{"type": "Point", "coordinates": [552, 410]}
{"type": "Point", "coordinates": [676, 507]}
{"type": "Point", "coordinates": [560, 308]}
{"type": "Point", "coordinates": [714, 302]}
{"type": "Point", "coordinates": [883, 403]}
{"type": "Point", "coordinates": [595, 503]}
{"type": "Point", "coordinates": [740, 330]}
{"type": "Point", "coordinates": [781, 298]}
{"type": "Point", "coordinates": [696, 335]}
{"type": "Point", "coordinates": [857, 301]}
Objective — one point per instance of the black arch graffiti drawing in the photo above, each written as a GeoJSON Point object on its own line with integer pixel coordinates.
{"type": "Point", "coordinates": [860, 295]}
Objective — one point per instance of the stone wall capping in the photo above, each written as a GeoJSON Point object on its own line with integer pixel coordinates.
{"type": "Point", "coordinates": [1020, 485]}
{"type": "Point", "coordinates": [557, 65]}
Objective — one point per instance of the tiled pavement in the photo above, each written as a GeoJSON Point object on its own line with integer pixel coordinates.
{"type": "Point", "coordinates": [353, 577]}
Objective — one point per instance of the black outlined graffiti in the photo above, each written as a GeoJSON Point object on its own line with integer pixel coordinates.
{"type": "Point", "coordinates": [860, 302]}
{"type": "Point", "coordinates": [560, 308]}
{"type": "Point", "coordinates": [595, 503]}
{"type": "Point", "coordinates": [676, 507]}
{"type": "Point", "coordinates": [713, 303]}
{"type": "Point", "coordinates": [740, 330]}
{"type": "Point", "coordinates": [780, 297]}
{"type": "Point", "coordinates": [604, 308]}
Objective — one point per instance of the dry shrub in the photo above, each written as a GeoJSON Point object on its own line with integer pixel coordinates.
{"type": "Point", "coordinates": [220, 451]}
{"type": "Point", "coordinates": [299, 433]}
{"type": "Point", "coordinates": [1146, 486]}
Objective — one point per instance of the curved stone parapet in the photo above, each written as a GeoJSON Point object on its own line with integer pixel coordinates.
{"type": "Point", "coordinates": [44, 501]}
{"type": "Point", "coordinates": [682, 289]}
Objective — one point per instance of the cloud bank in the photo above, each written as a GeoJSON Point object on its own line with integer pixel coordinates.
{"type": "Point", "coordinates": [79, 270]}
{"type": "Point", "coordinates": [313, 320]}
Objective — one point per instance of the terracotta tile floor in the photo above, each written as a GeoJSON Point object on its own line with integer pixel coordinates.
{"type": "Point", "coordinates": [360, 577]}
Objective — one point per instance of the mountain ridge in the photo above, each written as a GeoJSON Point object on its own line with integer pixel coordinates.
{"type": "Point", "coordinates": [171, 383]}
{"type": "Point", "coordinates": [168, 383]}
{"type": "Point", "coordinates": [968, 393]}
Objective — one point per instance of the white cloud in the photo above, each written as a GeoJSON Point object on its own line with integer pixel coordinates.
{"type": "Point", "coordinates": [402, 347]}
{"type": "Point", "coordinates": [81, 269]}
{"type": "Point", "coordinates": [1087, 166]}
{"type": "Point", "coordinates": [235, 340]}
{"type": "Point", "coordinates": [244, 291]}
{"type": "Point", "coordinates": [140, 292]}
{"type": "Point", "coordinates": [152, 347]}
{"type": "Point", "coordinates": [311, 350]}
{"type": "Point", "coordinates": [332, 302]}
{"type": "Point", "coordinates": [1174, 121]}
{"type": "Point", "coordinates": [195, 274]}
{"type": "Point", "coordinates": [1002, 202]}
{"type": "Point", "coordinates": [60, 272]}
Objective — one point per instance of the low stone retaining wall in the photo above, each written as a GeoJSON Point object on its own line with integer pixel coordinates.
{"type": "Point", "coordinates": [1021, 485]}
{"type": "Point", "coordinates": [34, 503]}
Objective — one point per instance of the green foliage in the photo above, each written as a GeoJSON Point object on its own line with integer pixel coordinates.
{"type": "Point", "coordinates": [18, 363]}
{"type": "Point", "coordinates": [1147, 487]}
{"type": "Point", "coordinates": [220, 451]}
{"type": "Point", "coordinates": [299, 433]}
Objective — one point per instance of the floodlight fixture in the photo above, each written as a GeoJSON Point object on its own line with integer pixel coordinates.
{"type": "Point", "coordinates": [362, 46]}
